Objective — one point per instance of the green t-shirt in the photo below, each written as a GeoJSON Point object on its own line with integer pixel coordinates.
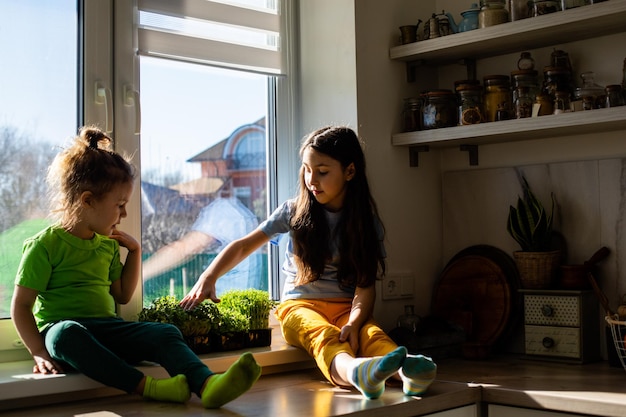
{"type": "Point", "coordinates": [73, 276]}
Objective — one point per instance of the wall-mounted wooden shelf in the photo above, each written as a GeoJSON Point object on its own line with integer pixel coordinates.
{"type": "Point", "coordinates": [572, 25]}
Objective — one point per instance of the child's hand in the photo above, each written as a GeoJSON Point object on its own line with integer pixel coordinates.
{"type": "Point", "coordinates": [125, 240]}
{"type": "Point", "coordinates": [350, 334]}
{"type": "Point", "coordinates": [44, 364]}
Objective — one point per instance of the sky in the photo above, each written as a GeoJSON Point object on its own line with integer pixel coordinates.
{"type": "Point", "coordinates": [185, 108]}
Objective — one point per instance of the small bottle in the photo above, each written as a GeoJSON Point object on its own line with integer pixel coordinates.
{"type": "Point", "coordinates": [613, 96]}
{"type": "Point", "coordinates": [561, 102]}
{"type": "Point", "coordinates": [544, 104]}
{"type": "Point", "coordinates": [409, 319]}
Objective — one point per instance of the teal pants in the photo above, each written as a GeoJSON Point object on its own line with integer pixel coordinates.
{"type": "Point", "coordinates": [106, 349]}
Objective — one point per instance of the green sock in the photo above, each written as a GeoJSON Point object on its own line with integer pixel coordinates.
{"type": "Point", "coordinates": [173, 389]}
{"type": "Point", "coordinates": [223, 388]}
{"type": "Point", "coordinates": [418, 372]}
{"type": "Point", "coordinates": [369, 375]}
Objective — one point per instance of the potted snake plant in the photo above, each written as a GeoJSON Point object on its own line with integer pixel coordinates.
{"type": "Point", "coordinates": [531, 225]}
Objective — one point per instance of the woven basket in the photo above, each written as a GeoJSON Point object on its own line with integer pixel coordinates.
{"type": "Point", "coordinates": [537, 270]}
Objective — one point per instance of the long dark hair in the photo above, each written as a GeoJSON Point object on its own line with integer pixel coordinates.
{"type": "Point", "coordinates": [361, 257]}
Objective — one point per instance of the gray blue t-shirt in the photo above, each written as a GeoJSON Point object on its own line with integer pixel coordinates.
{"type": "Point", "coordinates": [327, 285]}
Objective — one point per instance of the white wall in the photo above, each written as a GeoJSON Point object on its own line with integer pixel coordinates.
{"type": "Point", "coordinates": [349, 78]}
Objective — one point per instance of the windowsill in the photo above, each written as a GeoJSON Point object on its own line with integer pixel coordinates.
{"type": "Point", "coordinates": [19, 387]}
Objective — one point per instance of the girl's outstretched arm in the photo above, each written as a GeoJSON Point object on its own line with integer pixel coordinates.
{"type": "Point", "coordinates": [362, 309]}
{"type": "Point", "coordinates": [122, 289]}
{"type": "Point", "coordinates": [235, 252]}
{"type": "Point", "coordinates": [24, 321]}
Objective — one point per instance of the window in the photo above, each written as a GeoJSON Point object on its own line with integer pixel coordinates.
{"type": "Point", "coordinates": [38, 112]}
{"type": "Point", "coordinates": [203, 153]}
{"type": "Point", "coordinates": [62, 77]}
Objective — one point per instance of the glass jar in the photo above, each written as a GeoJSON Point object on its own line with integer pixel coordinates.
{"type": "Point", "coordinates": [541, 7]}
{"type": "Point", "coordinates": [523, 103]}
{"type": "Point", "coordinates": [614, 95]}
{"type": "Point", "coordinates": [525, 78]}
{"type": "Point", "coordinates": [411, 114]}
{"type": "Point", "coordinates": [439, 109]}
{"type": "Point", "coordinates": [492, 12]}
{"type": "Point", "coordinates": [570, 4]}
{"type": "Point", "coordinates": [409, 319]}
{"type": "Point", "coordinates": [470, 99]}
{"type": "Point", "coordinates": [518, 9]}
{"type": "Point", "coordinates": [497, 97]}
{"type": "Point", "coordinates": [592, 91]}
{"type": "Point", "coordinates": [561, 102]}
{"type": "Point", "coordinates": [556, 79]}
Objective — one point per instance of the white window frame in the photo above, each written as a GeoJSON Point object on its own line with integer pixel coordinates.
{"type": "Point", "coordinates": [110, 71]}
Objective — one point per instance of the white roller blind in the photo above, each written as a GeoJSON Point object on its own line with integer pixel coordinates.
{"type": "Point", "coordinates": [243, 34]}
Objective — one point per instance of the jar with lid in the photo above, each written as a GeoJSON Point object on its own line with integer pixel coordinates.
{"type": "Point", "coordinates": [492, 12]}
{"type": "Point", "coordinates": [409, 319]}
{"type": "Point", "coordinates": [497, 96]}
{"type": "Point", "coordinates": [614, 95]}
{"type": "Point", "coordinates": [541, 7]}
{"type": "Point", "coordinates": [561, 102]}
{"type": "Point", "coordinates": [556, 79]}
{"type": "Point", "coordinates": [411, 114]}
{"type": "Point", "coordinates": [525, 78]}
{"type": "Point", "coordinates": [439, 109]}
{"type": "Point", "coordinates": [470, 99]}
{"type": "Point", "coordinates": [591, 94]}
{"type": "Point", "coordinates": [523, 103]}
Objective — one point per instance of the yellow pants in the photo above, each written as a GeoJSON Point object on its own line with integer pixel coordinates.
{"type": "Point", "coordinates": [315, 325]}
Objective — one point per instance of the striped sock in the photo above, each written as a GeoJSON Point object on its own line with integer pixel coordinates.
{"type": "Point", "coordinates": [369, 374]}
{"type": "Point", "coordinates": [418, 372]}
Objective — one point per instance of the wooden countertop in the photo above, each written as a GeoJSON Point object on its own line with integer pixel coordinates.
{"type": "Point", "coordinates": [594, 389]}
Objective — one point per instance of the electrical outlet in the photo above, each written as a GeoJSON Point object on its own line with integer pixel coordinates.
{"type": "Point", "coordinates": [397, 285]}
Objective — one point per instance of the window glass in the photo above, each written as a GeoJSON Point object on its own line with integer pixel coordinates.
{"type": "Point", "coordinates": [203, 166]}
{"type": "Point", "coordinates": [38, 112]}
